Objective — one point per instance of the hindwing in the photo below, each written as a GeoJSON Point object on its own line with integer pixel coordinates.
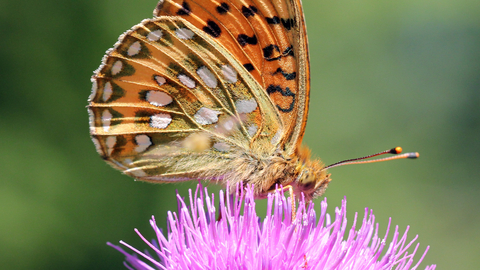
{"type": "Point", "coordinates": [168, 103]}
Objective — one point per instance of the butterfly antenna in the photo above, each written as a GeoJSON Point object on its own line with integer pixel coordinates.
{"type": "Point", "coordinates": [395, 151]}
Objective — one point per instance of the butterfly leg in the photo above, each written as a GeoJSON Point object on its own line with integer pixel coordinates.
{"type": "Point", "coordinates": [292, 198]}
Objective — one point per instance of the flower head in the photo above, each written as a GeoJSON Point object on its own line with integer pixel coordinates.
{"type": "Point", "coordinates": [239, 240]}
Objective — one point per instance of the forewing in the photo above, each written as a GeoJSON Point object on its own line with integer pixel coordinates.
{"type": "Point", "coordinates": [268, 38]}
{"type": "Point", "coordinates": [168, 104]}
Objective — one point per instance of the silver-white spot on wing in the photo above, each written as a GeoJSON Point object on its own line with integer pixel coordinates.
{"type": "Point", "coordinates": [228, 125]}
{"type": "Point", "coordinates": [158, 98]}
{"type": "Point", "coordinates": [187, 81]}
{"type": "Point", "coordinates": [160, 80]}
{"type": "Point", "coordinates": [246, 106]}
{"type": "Point", "coordinates": [155, 35]}
{"type": "Point", "coordinates": [206, 116]}
{"type": "Point", "coordinates": [94, 90]}
{"type": "Point", "coordinates": [106, 120]}
{"type": "Point", "coordinates": [137, 172]}
{"type": "Point", "coordinates": [98, 147]}
{"type": "Point", "coordinates": [207, 76]}
{"type": "Point", "coordinates": [221, 146]}
{"type": "Point", "coordinates": [110, 143]}
{"type": "Point", "coordinates": [107, 91]}
{"type": "Point", "coordinates": [252, 130]}
{"type": "Point", "coordinates": [134, 49]}
{"type": "Point", "coordinates": [91, 120]}
{"type": "Point", "coordinates": [184, 33]}
{"type": "Point", "coordinates": [277, 137]}
{"type": "Point", "coordinates": [229, 73]}
{"type": "Point", "coordinates": [161, 120]}
{"type": "Point", "coordinates": [143, 142]}
{"type": "Point", "coordinates": [117, 67]}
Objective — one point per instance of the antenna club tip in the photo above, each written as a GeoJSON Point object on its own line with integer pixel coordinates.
{"type": "Point", "coordinates": [413, 155]}
{"type": "Point", "coordinates": [396, 150]}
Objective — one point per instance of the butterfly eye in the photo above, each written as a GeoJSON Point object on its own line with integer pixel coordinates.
{"type": "Point", "coordinates": [306, 180]}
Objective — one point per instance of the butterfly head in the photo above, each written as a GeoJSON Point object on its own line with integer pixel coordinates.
{"type": "Point", "coordinates": [312, 180]}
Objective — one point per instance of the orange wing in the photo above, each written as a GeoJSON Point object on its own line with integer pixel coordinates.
{"type": "Point", "coordinates": [269, 38]}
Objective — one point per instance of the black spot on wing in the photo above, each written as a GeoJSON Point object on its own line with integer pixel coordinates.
{"type": "Point", "coordinates": [185, 10]}
{"type": "Point", "coordinates": [288, 76]}
{"type": "Point", "coordinates": [142, 95]}
{"type": "Point", "coordinates": [142, 117]}
{"type": "Point", "coordinates": [249, 67]}
{"type": "Point", "coordinates": [212, 29]}
{"type": "Point", "coordinates": [243, 40]}
{"type": "Point", "coordinates": [268, 52]}
{"type": "Point", "coordinates": [288, 23]}
{"type": "Point", "coordinates": [286, 93]}
{"type": "Point", "coordinates": [288, 51]}
{"type": "Point", "coordinates": [273, 20]}
{"type": "Point", "coordinates": [249, 11]}
{"type": "Point", "coordinates": [223, 8]}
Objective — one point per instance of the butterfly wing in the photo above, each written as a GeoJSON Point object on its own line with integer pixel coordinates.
{"type": "Point", "coordinates": [268, 37]}
{"type": "Point", "coordinates": [168, 103]}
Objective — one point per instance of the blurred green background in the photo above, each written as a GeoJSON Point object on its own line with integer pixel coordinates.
{"type": "Point", "coordinates": [384, 73]}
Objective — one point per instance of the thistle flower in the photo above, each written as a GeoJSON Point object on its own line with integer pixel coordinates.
{"type": "Point", "coordinates": [239, 240]}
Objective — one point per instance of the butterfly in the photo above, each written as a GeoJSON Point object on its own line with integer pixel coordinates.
{"type": "Point", "coordinates": [210, 90]}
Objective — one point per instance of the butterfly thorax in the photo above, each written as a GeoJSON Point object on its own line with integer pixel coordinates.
{"type": "Point", "coordinates": [299, 171]}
